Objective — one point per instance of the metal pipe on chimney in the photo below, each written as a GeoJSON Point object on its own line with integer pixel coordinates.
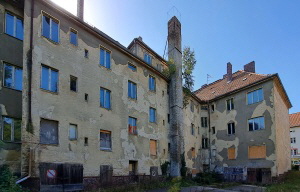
{"type": "Point", "coordinates": [80, 9]}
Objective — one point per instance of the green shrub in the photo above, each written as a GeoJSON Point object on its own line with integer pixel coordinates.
{"type": "Point", "coordinates": [164, 167]}
{"type": "Point", "coordinates": [8, 181]}
{"type": "Point", "coordinates": [207, 178]}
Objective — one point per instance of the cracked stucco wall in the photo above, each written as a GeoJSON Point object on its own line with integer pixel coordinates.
{"type": "Point", "coordinates": [10, 99]}
{"type": "Point", "coordinates": [70, 107]}
{"type": "Point", "coordinates": [244, 138]}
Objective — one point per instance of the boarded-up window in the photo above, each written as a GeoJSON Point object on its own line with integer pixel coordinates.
{"type": "Point", "coordinates": [257, 152]}
{"type": "Point", "coordinates": [153, 147]}
{"type": "Point", "coordinates": [231, 153]}
{"type": "Point", "coordinates": [49, 132]}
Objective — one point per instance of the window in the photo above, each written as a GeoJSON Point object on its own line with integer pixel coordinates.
{"type": "Point", "coordinates": [86, 97]}
{"type": "Point", "coordinates": [132, 67]}
{"type": "Point", "coordinates": [49, 79]}
{"type": "Point", "coordinates": [49, 132]}
{"type": "Point", "coordinates": [105, 98]}
{"type": "Point", "coordinates": [192, 129]}
{"type": "Point", "coordinates": [11, 129]}
{"type": "Point", "coordinates": [50, 28]}
{"type": "Point", "coordinates": [230, 128]}
{"type": "Point", "coordinates": [86, 53]}
{"type": "Point", "coordinates": [86, 141]}
{"type": "Point", "coordinates": [152, 86]}
{"type": "Point", "coordinates": [213, 130]}
{"type": "Point", "coordinates": [14, 26]}
{"type": "Point", "coordinates": [204, 107]}
{"type": "Point", "coordinates": [132, 91]}
{"type": "Point", "coordinates": [73, 83]}
{"type": "Point", "coordinates": [293, 140]}
{"type": "Point", "coordinates": [148, 58]}
{"type": "Point", "coordinates": [158, 67]}
{"type": "Point", "coordinates": [198, 130]}
{"type": "Point", "coordinates": [230, 104]}
{"type": "Point", "coordinates": [73, 132]}
{"type": "Point", "coordinates": [214, 152]}
{"type": "Point", "coordinates": [132, 129]}
{"type": "Point", "coordinates": [192, 106]}
{"type": "Point", "coordinates": [105, 58]}
{"type": "Point", "coordinates": [256, 124]}
{"type": "Point", "coordinates": [152, 115]}
{"type": "Point", "coordinates": [105, 140]}
{"type": "Point", "coordinates": [13, 77]}
{"type": "Point", "coordinates": [153, 147]}
{"type": "Point", "coordinates": [257, 152]}
{"type": "Point", "coordinates": [203, 121]}
{"type": "Point", "coordinates": [212, 108]}
{"type": "Point", "coordinates": [204, 143]}
{"type": "Point", "coordinates": [231, 153]}
{"type": "Point", "coordinates": [255, 96]}
{"type": "Point", "coordinates": [168, 118]}
{"type": "Point", "coordinates": [73, 37]}
{"type": "Point", "coordinates": [294, 151]}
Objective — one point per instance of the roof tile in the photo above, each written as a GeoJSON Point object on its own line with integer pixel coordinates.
{"type": "Point", "coordinates": [295, 119]}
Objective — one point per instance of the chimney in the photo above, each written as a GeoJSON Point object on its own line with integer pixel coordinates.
{"type": "Point", "coordinates": [250, 67]}
{"type": "Point", "coordinates": [140, 38]}
{"type": "Point", "coordinates": [229, 72]}
{"type": "Point", "coordinates": [80, 9]}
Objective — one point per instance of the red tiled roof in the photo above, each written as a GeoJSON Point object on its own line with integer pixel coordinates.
{"type": "Point", "coordinates": [295, 119]}
{"type": "Point", "coordinates": [221, 87]}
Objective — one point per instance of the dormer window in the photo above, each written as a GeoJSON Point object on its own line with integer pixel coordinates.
{"type": "Point", "coordinates": [148, 59]}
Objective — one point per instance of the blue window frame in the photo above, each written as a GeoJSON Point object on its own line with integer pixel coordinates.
{"type": "Point", "coordinates": [132, 91]}
{"type": "Point", "coordinates": [50, 28]}
{"type": "Point", "coordinates": [13, 77]}
{"type": "Point", "coordinates": [105, 100]}
{"type": "Point", "coordinates": [132, 129]}
{"type": "Point", "coordinates": [73, 37]}
{"type": "Point", "coordinates": [49, 79]}
{"type": "Point", "coordinates": [132, 67]}
{"type": "Point", "coordinates": [14, 26]}
{"type": "Point", "coordinates": [152, 86]}
{"type": "Point", "coordinates": [152, 115]}
{"type": "Point", "coordinates": [105, 58]}
{"type": "Point", "coordinates": [257, 123]}
{"type": "Point", "coordinates": [255, 96]}
{"type": "Point", "coordinates": [148, 58]}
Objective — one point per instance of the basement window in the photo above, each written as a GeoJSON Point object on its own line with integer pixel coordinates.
{"type": "Point", "coordinates": [50, 28]}
{"type": "Point", "coordinates": [73, 37]}
{"type": "Point", "coordinates": [11, 129]}
{"type": "Point", "coordinates": [73, 83]}
{"type": "Point", "coordinates": [48, 132]}
{"type": "Point", "coordinates": [14, 26]}
{"type": "Point", "coordinates": [105, 140]}
{"type": "Point", "coordinates": [132, 128]}
{"type": "Point", "coordinates": [12, 77]}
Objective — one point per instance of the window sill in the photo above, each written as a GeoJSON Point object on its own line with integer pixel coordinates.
{"type": "Point", "coordinates": [255, 102]}
{"type": "Point", "coordinates": [152, 91]}
{"type": "Point", "coordinates": [54, 145]}
{"type": "Point", "coordinates": [12, 89]}
{"type": "Point", "coordinates": [256, 130]}
{"type": "Point", "coordinates": [106, 149]}
{"type": "Point", "coordinates": [50, 40]}
{"type": "Point", "coordinates": [103, 67]}
{"type": "Point", "coordinates": [108, 109]}
{"type": "Point", "coordinates": [12, 142]}
{"type": "Point", "coordinates": [13, 37]}
{"type": "Point", "coordinates": [132, 99]}
{"type": "Point", "coordinates": [153, 122]}
{"type": "Point", "coordinates": [47, 91]}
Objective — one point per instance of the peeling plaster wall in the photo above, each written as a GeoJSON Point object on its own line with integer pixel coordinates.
{"type": "Point", "coordinates": [70, 107]}
{"type": "Point", "coordinates": [10, 99]}
{"type": "Point", "coordinates": [244, 138]}
{"type": "Point", "coordinates": [282, 125]}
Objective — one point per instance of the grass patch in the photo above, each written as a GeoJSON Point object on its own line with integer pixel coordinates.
{"type": "Point", "coordinates": [291, 183]}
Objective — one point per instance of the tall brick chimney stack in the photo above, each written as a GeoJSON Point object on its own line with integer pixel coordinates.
{"type": "Point", "coordinates": [229, 72]}
{"type": "Point", "coordinates": [80, 9]}
{"type": "Point", "coordinates": [175, 97]}
{"type": "Point", "coordinates": [250, 67]}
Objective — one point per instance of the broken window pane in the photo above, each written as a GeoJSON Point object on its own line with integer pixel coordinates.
{"type": "Point", "coordinates": [49, 132]}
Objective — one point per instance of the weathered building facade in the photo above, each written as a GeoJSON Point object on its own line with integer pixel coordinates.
{"type": "Point", "coordinates": [90, 102]}
{"type": "Point", "coordinates": [295, 137]}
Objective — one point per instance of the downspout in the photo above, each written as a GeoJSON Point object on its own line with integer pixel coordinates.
{"type": "Point", "coordinates": [29, 72]}
{"type": "Point", "coordinates": [209, 134]}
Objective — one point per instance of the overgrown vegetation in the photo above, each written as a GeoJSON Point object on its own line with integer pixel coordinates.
{"type": "Point", "coordinates": [183, 168]}
{"type": "Point", "coordinates": [290, 184]}
{"type": "Point", "coordinates": [188, 65]}
{"type": "Point", "coordinates": [8, 181]}
{"type": "Point", "coordinates": [164, 168]}
{"type": "Point", "coordinates": [207, 178]}
{"type": "Point", "coordinates": [171, 69]}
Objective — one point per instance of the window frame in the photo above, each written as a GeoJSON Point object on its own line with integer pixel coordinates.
{"type": "Point", "coordinates": [132, 85]}
{"type": "Point", "coordinates": [13, 76]}
{"type": "Point", "coordinates": [231, 128]}
{"type": "Point", "coordinates": [49, 79]}
{"type": "Point", "coordinates": [148, 58]}
{"type": "Point", "coordinates": [110, 136]}
{"type": "Point", "coordinates": [151, 80]}
{"type": "Point", "coordinates": [253, 125]}
{"type": "Point", "coordinates": [134, 130]}
{"type": "Point", "coordinates": [131, 67]}
{"type": "Point", "coordinates": [205, 143]}
{"type": "Point", "coordinates": [86, 53]}
{"type": "Point", "coordinates": [76, 86]}
{"type": "Point", "coordinates": [14, 24]}
{"type": "Point", "coordinates": [41, 132]}
{"type": "Point", "coordinates": [265, 150]}
{"type": "Point", "coordinates": [76, 132]}
{"type": "Point", "coordinates": [230, 104]}
{"type": "Point", "coordinates": [155, 141]}
{"type": "Point", "coordinates": [252, 92]}
{"type": "Point", "coordinates": [72, 30]}
{"type": "Point", "coordinates": [192, 129]}
{"type": "Point", "coordinates": [228, 153]}
{"type": "Point", "coordinates": [192, 106]}
{"type": "Point", "coordinates": [204, 122]}
{"type": "Point", "coordinates": [12, 130]}
{"type": "Point", "coordinates": [104, 102]}
{"type": "Point", "coordinates": [106, 50]}
{"type": "Point", "coordinates": [155, 118]}
{"type": "Point", "coordinates": [52, 19]}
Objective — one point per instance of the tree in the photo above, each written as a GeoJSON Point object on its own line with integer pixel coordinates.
{"type": "Point", "coordinates": [188, 65]}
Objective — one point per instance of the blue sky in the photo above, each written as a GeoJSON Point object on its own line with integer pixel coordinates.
{"type": "Point", "coordinates": [219, 31]}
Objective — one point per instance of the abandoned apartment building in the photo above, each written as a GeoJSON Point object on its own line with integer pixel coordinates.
{"type": "Point", "coordinates": [71, 97]}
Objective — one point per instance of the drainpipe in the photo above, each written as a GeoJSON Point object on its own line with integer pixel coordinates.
{"type": "Point", "coordinates": [29, 171]}
{"type": "Point", "coordinates": [209, 134]}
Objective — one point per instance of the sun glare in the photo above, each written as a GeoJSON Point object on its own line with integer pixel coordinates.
{"type": "Point", "coordinates": [69, 5]}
